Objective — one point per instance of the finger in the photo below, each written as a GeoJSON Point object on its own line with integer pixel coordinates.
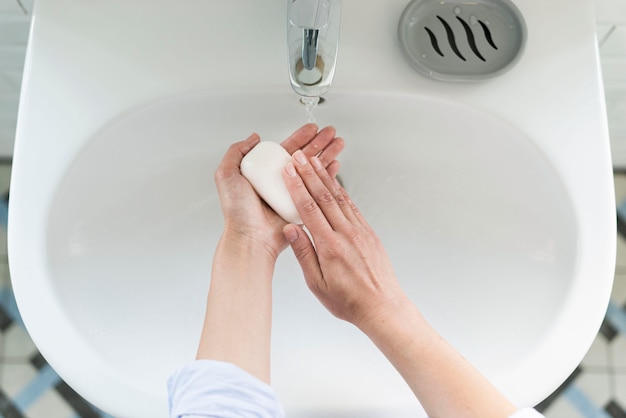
{"type": "Point", "coordinates": [323, 138]}
{"type": "Point", "coordinates": [309, 211]}
{"type": "Point", "coordinates": [300, 138]}
{"type": "Point", "coordinates": [358, 216]}
{"type": "Point", "coordinates": [233, 156]}
{"type": "Point", "coordinates": [342, 200]}
{"type": "Point", "coordinates": [305, 254]}
{"type": "Point", "coordinates": [332, 150]}
{"type": "Point", "coordinates": [322, 196]}
{"type": "Point", "coordinates": [333, 168]}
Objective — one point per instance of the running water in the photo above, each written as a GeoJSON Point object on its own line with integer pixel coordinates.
{"type": "Point", "coordinates": [310, 103]}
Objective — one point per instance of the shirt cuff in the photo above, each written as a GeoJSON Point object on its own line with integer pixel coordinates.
{"type": "Point", "coordinates": [210, 388]}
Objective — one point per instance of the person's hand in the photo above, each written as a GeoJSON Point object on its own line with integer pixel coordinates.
{"type": "Point", "coordinates": [347, 269]}
{"type": "Point", "coordinates": [245, 214]}
{"type": "Point", "coordinates": [350, 273]}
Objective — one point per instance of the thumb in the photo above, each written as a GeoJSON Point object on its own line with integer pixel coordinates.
{"type": "Point", "coordinates": [305, 253]}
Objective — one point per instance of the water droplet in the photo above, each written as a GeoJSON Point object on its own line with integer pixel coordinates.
{"type": "Point", "coordinates": [473, 20]}
{"type": "Point", "coordinates": [423, 55]}
{"type": "Point", "coordinates": [457, 10]}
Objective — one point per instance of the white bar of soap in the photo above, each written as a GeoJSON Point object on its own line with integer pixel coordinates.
{"type": "Point", "coordinates": [263, 167]}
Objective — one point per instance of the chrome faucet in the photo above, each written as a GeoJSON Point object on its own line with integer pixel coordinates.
{"type": "Point", "coordinates": [312, 39]}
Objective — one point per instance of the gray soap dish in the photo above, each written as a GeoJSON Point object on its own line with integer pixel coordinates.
{"type": "Point", "coordinates": [460, 40]}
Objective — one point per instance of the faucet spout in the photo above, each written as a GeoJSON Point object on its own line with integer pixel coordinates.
{"type": "Point", "coordinates": [312, 38]}
{"type": "Point", "coordinates": [309, 48]}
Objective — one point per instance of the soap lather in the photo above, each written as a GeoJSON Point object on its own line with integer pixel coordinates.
{"type": "Point", "coordinates": [263, 167]}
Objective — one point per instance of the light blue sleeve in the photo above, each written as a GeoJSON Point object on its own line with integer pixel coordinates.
{"type": "Point", "coordinates": [215, 389]}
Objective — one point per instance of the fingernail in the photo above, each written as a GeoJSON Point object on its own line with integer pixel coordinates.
{"type": "Point", "coordinates": [290, 170]}
{"type": "Point", "coordinates": [300, 157]}
{"type": "Point", "coordinates": [291, 234]}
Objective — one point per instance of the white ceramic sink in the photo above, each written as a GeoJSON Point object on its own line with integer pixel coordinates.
{"type": "Point", "coordinates": [496, 208]}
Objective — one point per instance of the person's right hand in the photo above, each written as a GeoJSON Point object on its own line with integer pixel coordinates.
{"type": "Point", "coordinates": [347, 269]}
{"type": "Point", "coordinates": [350, 273]}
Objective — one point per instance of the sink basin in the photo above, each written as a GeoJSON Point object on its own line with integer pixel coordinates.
{"type": "Point", "coordinates": [131, 236]}
{"type": "Point", "coordinates": [495, 232]}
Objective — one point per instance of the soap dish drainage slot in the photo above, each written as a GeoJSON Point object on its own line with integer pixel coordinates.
{"type": "Point", "coordinates": [460, 40]}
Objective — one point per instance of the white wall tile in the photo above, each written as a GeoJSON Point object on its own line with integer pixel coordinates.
{"type": "Point", "coordinates": [7, 139]}
{"type": "Point", "coordinates": [603, 30]}
{"type": "Point", "coordinates": [10, 7]}
{"type": "Point", "coordinates": [14, 29]}
{"type": "Point", "coordinates": [28, 6]}
{"type": "Point", "coordinates": [615, 43]}
{"type": "Point", "coordinates": [615, 98]}
{"type": "Point", "coordinates": [8, 107]}
{"type": "Point", "coordinates": [617, 121]}
{"type": "Point", "coordinates": [12, 57]}
{"type": "Point", "coordinates": [613, 73]}
{"type": "Point", "coordinates": [7, 85]}
{"type": "Point", "coordinates": [613, 61]}
{"type": "Point", "coordinates": [610, 11]}
{"type": "Point", "coordinates": [14, 76]}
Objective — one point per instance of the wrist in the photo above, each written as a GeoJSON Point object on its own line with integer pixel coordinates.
{"type": "Point", "coordinates": [394, 313]}
{"type": "Point", "coordinates": [248, 244]}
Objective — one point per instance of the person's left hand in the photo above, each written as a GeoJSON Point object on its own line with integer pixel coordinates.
{"type": "Point", "coordinates": [246, 216]}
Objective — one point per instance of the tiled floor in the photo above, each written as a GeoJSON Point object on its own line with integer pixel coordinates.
{"type": "Point", "coordinates": [30, 388]}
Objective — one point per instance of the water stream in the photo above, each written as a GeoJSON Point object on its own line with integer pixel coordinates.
{"type": "Point", "coordinates": [310, 103]}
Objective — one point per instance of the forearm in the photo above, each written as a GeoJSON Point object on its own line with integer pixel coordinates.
{"type": "Point", "coordinates": [237, 325]}
{"type": "Point", "coordinates": [445, 383]}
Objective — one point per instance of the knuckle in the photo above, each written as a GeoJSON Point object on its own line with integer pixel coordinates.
{"type": "Point", "coordinates": [340, 198]}
{"type": "Point", "coordinates": [333, 249]}
{"type": "Point", "coordinates": [325, 197]}
{"type": "Point", "coordinates": [356, 238]}
{"type": "Point", "coordinates": [220, 174]}
{"type": "Point", "coordinates": [309, 206]}
{"type": "Point", "coordinates": [354, 208]}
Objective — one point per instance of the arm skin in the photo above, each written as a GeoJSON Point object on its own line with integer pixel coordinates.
{"type": "Point", "coordinates": [237, 324]}
{"type": "Point", "coordinates": [352, 277]}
